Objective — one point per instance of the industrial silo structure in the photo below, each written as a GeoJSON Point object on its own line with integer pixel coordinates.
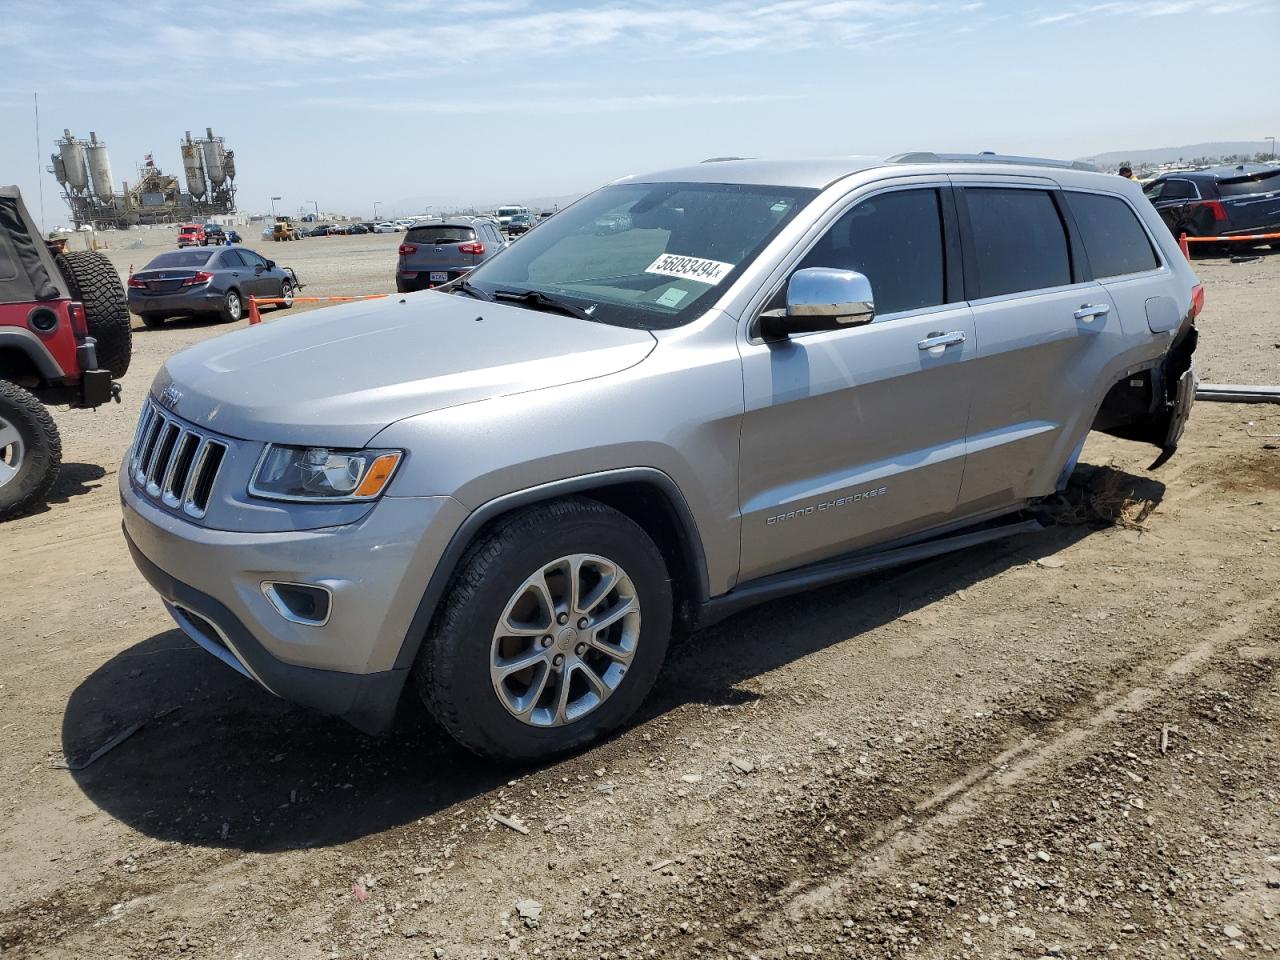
{"type": "Point", "coordinates": [215, 157]}
{"type": "Point", "coordinates": [99, 167]}
{"type": "Point", "coordinates": [193, 164]}
{"type": "Point", "coordinates": [71, 152]}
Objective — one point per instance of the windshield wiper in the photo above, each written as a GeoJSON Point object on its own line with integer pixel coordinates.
{"type": "Point", "coordinates": [463, 285]}
{"type": "Point", "coordinates": [537, 300]}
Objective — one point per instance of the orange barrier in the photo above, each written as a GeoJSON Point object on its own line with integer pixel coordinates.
{"type": "Point", "coordinates": [1184, 241]}
{"type": "Point", "coordinates": [255, 317]}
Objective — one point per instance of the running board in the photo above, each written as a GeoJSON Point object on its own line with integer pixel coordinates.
{"type": "Point", "coordinates": [833, 571]}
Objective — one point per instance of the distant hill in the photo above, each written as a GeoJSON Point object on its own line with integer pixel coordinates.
{"type": "Point", "coordinates": [1157, 155]}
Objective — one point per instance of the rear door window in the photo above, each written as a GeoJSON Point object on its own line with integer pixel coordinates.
{"type": "Point", "coordinates": [232, 258]}
{"type": "Point", "coordinates": [439, 235]}
{"type": "Point", "coordinates": [1113, 237]}
{"type": "Point", "coordinates": [1019, 242]}
{"type": "Point", "coordinates": [895, 240]}
{"type": "Point", "coordinates": [1172, 190]}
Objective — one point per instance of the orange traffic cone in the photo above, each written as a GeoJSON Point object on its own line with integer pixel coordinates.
{"type": "Point", "coordinates": [254, 316]}
{"type": "Point", "coordinates": [1184, 246]}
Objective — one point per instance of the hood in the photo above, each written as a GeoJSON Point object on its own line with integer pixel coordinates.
{"type": "Point", "coordinates": [338, 376]}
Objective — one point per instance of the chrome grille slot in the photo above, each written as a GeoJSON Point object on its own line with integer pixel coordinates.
{"type": "Point", "coordinates": [202, 477]}
{"type": "Point", "coordinates": [174, 463]}
{"type": "Point", "coordinates": [160, 459]}
{"type": "Point", "coordinates": [175, 478]}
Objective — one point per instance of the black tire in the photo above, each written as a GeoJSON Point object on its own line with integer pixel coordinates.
{"type": "Point", "coordinates": [227, 312]}
{"type": "Point", "coordinates": [94, 282]}
{"type": "Point", "coordinates": [152, 321]}
{"type": "Point", "coordinates": [41, 450]}
{"type": "Point", "coordinates": [286, 293]}
{"type": "Point", "coordinates": [453, 667]}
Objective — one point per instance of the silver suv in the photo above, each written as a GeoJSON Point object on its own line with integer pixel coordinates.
{"type": "Point", "coordinates": [511, 491]}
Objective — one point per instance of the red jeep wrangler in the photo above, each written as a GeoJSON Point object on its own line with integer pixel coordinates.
{"type": "Point", "coordinates": [64, 339]}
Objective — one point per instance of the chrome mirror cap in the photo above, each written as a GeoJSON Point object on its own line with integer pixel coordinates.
{"type": "Point", "coordinates": [825, 294]}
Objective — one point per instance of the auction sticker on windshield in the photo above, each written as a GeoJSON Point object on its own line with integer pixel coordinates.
{"type": "Point", "coordinates": [689, 268]}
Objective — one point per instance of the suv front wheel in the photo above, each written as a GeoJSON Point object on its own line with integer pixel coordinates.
{"type": "Point", "coordinates": [553, 633]}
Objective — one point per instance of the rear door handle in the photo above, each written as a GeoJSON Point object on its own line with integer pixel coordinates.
{"type": "Point", "coordinates": [1088, 311]}
{"type": "Point", "coordinates": [941, 340]}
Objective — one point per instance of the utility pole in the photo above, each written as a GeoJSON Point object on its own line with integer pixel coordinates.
{"type": "Point", "coordinates": [375, 210]}
{"type": "Point", "coordinates": [273, 208]}
{"type": "Point", "coordinates": [1273, 146]}
{"type": "Point", "coordinates": [39, 172]}
{"type": "Point", "coordinates": [317, 206]}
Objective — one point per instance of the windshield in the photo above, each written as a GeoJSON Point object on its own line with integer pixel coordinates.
{"type": "Point", "coordinates": [647, 255]}
{"type": "Point", "coordinates": [189, 230]}
{"type": "Point", "coordinates": [509, 211]}
{"type": "Point", "coordinates": [181, 258]}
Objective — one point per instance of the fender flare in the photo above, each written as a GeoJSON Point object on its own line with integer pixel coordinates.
{"type": "Point", "coordinates": [465, 535]}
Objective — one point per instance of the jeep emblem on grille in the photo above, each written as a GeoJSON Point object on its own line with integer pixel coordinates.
{"type": "Point", "coordinates": [170, 396]}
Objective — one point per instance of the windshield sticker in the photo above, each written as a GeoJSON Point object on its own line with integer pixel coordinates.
{"type": "Point", "coordinates": [672, 297]}
{"type": "Point", "coordinates": [690, 268]}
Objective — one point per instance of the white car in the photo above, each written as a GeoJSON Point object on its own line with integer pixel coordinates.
{"type": "Point", "coordinates": [387, 227]}
{"type": "Point", "coordinates": [404, 224]}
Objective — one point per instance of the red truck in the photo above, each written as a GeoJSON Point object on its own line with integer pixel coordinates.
{"type": "Point", "coordinates": [65, 338]}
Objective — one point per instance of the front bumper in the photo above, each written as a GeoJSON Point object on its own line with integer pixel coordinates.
{"type": "Point", "coordinates": [376, 571]}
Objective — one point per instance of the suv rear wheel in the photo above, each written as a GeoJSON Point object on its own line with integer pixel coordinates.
{"type": "Point", "coordinates": [94, 282]}
{"type": "Point", "coordinates": [555, 629]}
{"type": "Point", "coordinates": [30, 450]}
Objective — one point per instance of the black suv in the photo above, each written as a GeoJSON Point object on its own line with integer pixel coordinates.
{"type": "Point", "coordinates": [1222, 202]}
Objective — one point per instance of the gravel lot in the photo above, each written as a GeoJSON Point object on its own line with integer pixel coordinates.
{"type": "Point", "coordinates": [1061, 745]}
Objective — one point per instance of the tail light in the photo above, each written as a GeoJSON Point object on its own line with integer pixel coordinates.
{"type": "Point", "coordinates": [1215, 207]}
{"type": "Point", "coordinates": [475, 249]}
{"type": "Point", "coordinates": [407, 248]}
{"type": "Point", "coordinates": [137, 284]}
{"type": "Point", "coordinates": [79, 321]}
{"type": "Point", "coordinates": [1197, 300]}
{"type": "Point", "coordinates": [202, 276]}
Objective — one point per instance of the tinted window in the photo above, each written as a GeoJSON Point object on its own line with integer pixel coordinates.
{"type": "Point", "coordinates": [430, 234]}
{"type": "Point", "coordinates": [232, 258]}
{"type": "Point", "coordinates": [1019, 242]}
{"type": "Point", "coordinates": [896, 240]}
{"type": "Point", "coordinates": [1113, 237]}
{"type": "Point", "coordinates": [1258, 183]}
{"type": "Point", "coordinates": [1172, 190]}
{"type": "Point", "coordinates": [181, 258]}
{"type": "Point", "coordinates": [251, 259]}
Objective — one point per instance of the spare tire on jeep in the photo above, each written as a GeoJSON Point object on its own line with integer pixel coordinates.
{"type": "Point", "coordinates": [94, 282]}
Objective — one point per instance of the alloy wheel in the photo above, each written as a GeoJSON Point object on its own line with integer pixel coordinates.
{"type": "Point", "coordinates": [565, 640]}
{"type": "Point", "coordinates": [233, 305]}
{"type": "Point", "coordinates": [12, 451]}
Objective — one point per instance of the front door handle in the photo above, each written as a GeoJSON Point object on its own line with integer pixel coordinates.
{"type": "Point", "coordinates": [941, 340]}
{"type": "Point", "coordinates": [1088, 311]}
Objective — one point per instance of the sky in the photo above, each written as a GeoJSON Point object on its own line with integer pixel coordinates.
{"type": "Point", "coordinates": [453, 102]}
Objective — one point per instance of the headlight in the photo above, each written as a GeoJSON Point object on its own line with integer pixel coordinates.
{"type": "Point", "coordinates": [323, 473]}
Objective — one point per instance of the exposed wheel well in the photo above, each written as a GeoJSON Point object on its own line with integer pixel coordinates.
{"type": "Point", "coordinates": [17, 367]}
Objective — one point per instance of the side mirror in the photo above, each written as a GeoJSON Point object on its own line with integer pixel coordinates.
{"type": "Point", "coordinates": [821, 298]}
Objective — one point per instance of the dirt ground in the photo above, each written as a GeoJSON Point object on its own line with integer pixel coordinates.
{"type": "Point", "coordinates": [1063, 745]}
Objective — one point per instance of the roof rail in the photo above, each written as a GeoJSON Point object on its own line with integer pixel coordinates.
{"type": "Point", "coordinates": [925, 156]}
{"type": "Point", "coordinates": [722, 159]}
